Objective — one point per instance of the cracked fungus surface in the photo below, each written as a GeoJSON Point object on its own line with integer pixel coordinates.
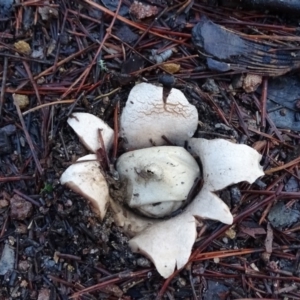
{"type": "Point", "coordinates": [164, 110]}
{"type": "Point", "coordinates": [145, 112]}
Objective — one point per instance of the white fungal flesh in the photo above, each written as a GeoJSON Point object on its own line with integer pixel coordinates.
{"type": "Point", "coordinates": [225, 163]}
{"type": "Point", "coordinates": [84, 177]}
{"type": "Point", "coordinates": [168, 243]}
{"type": "Point", "coordinates": [145, 118]}
{"type": "Point", "coordinates": [87, 128]}
{"type": "Point", "coordinates": [207, 205]}
{"type": "Point", "coordinates": [157, 177]}
{"type": "Point", "coordinates": [132, 223]}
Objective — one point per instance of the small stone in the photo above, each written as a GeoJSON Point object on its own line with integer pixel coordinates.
{"type": "Point", "coordinates": [44, 294]}
{"type": "Point", "coordinates": [21, 228]}
{"type": "Point", "coordinates": [216, 260]}
{"type": "Point", "coordinates": [214, 290]}
{"type": "Point", "coordinates": [24, 265]}
{"type": "Point", "coordinates": [20, 208]}
{"type": "Point", "coordinates": [23, 284]}
{"type": "Point", "coordinates": [7, 260]}
{"type": "Point", "coordinates": [143, 262]}
{"type": "Point", "coordinates": [230, 233]}
{"type": "Point", "coordinates": [68, 203]}
{"type": "Point", "coordinates": [211, 86]}
{"type": "Point", "coordinates": [126, 34]}
{"type": "Point", "coordinates": [3, 203]}
{"type": "Point", "coordinates": [181, 282]}
{"type": "Point", "coordinates": [251, 82]}
{"type": "Point", "coordinates": [281, 216]}
{"type": "Point", "coordinates": [38, 53]}
{"type": "Point", "coordinates": [141, 10]}
{"type": "Point", "coordinates": [11, 240]}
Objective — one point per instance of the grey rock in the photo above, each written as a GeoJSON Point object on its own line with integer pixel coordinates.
{"type": "Point", "coordinates": [7, 260]}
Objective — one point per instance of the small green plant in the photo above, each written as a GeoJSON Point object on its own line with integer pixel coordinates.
{"type": "Point", "coordinates": [48, 188]}
{"type": "Point", "coordinates": [102, 65]}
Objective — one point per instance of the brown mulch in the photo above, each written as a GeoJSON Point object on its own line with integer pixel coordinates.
{"type": "Point", "coordinates": [83, 56]}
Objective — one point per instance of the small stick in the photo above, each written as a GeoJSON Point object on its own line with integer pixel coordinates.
{"type": "Point", "coordinates": [116, 129]}
{"type": "Point", "coordinates": [148, 28]}
{"type": "Point", "coordinates": [64, 146]}
{"type": "Point", "coordinates": [114, 278]}
{"type": "Point", "coordinates": [270, 137]}
{"type": "Point", "coordinates": [68, 256]}
{"type": "Point", "coordinates": [71, 108]}
{"type": "Point", "coordinates": [4, 76]}
{"type": "Point", "coordinates": [267, 209]}
{"type": "Point", "coordinates": [33, 82]}
{"type": "Point", "coordinates": [65, 60]}
{"type": "Point", "coordinates": [28, 138]}
{"type": "Point", "coordinates": [58, 43]}
{"type": "Point", "coordinates": [4, 226]}
{"type": "Point", "coordinates": [270, 121]}
{"type": "Point", "coordinates": [69, 90]}
{"type": "Point", "coordinates": [15, 178]}
{"type": "Point", "coordinates": [287, 165]}
{"type": "Point", "coordinates": [27, 198]}
{"type": "Point", "coordinates": [76, 13]}
{"type": "Point", "coordinates": [108, 32]}
{"type": "Point", "coordinates": [155, 31]}
{"type": "Point", "coordinates": [264, 102]}
{"type": "Point", "coordinates": [47, 104]}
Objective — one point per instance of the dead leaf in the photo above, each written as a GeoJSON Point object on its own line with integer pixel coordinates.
{"type": "Point", "coordinates": [51, 47]}
{"type": "Point", "coordinates": [252, 231]}
{"type": "Point", "coordinates": [23, 47]}
{"type": "Point", "coordinates": [21, 100]}
{"type": "Point", "coordinates": [112, 289]}
{"type": "Point", "coordinates": [259, 145]}
{"type": "Point", "coordinates": [171, 67]}
{"type": "Point", "coordinates": [269, 239]}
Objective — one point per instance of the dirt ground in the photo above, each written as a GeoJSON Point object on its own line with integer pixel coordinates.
{"type": "Point", "coordinates": [61, 57]}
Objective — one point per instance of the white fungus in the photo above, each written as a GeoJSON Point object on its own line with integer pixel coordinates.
{"type": "Point", "coordinates": [131, 223]}
{"type": "Point", "coordinates": [87, 128]}
{"type": "Point", "coordinates": [145, 118]}
{"type": "Point", "coordinates": [158, 179]}
{"type": "Point", "coordinates": [225, 163]}
{"type": "Point", "coordinates": [85, 178]}
{"type": "Point", "coordinates": [168, 243]}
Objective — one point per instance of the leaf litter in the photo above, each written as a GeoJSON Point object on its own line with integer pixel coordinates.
{"type": "Point", "coordinates": [95, 256]}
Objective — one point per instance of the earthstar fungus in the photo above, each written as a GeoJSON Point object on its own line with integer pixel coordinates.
{"type": "Point", "coordinates": [158, 179]}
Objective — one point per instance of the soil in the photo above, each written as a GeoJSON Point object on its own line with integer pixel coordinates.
{"type": "Point", "coordinates": [82, 56]}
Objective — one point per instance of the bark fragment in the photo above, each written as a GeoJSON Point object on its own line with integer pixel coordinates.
{"type": "Point", "coordinates": [225, 50]}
